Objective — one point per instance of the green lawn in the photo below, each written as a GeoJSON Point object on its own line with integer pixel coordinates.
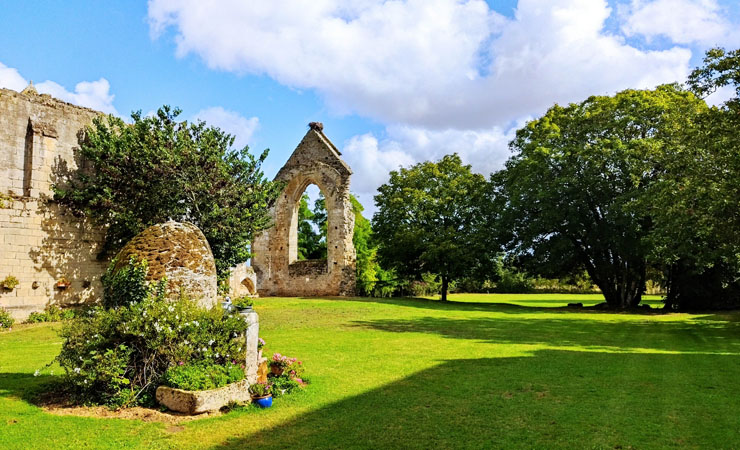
{"type": "Point", "coordinates": [484, 371]}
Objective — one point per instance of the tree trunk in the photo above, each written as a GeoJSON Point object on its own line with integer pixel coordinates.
{"type": "Point", "coordinates": [444, 287]}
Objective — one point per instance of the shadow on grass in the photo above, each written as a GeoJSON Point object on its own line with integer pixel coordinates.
{"type": "Point", "coordinates": [550, 399]}
{"type": "Point", "coordinates": [25, 386]}
{"type": "Point", "coordinates": [507, 308]}
{"type": "Point", "coordinates": [681, 336]}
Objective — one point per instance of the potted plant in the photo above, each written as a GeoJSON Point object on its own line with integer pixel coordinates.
{"type": "Point", "coordinates": [261, 394]}
{"type": "Point", "coordinates": [9, 283]}
{"type": "Point", "coordinates": [279, 363]}
{"type": "Point", "coordinates": [243, 303]}
{"type": "Point", "coordinates": [63, 283]}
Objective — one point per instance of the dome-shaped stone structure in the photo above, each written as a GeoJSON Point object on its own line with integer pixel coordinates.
{"type": "Point", "coordinates": [179, 252]}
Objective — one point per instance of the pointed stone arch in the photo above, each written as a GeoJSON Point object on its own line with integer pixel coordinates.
{"type": "Point", "coordinates": [279, 272]}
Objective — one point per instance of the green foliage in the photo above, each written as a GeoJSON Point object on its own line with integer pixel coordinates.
{"type": "Point", "coordinates": [159, 169]}
{"type": "Point", "coordinates": [126, 285]}
{"type": "Point", "coordinates": [568, 197]}
{"type": "Point", "coordinates": [243, 302]}
{"type": "Point", "coordinates": [312, 243]}
{"type": "Point", "coordinates": [696, 229]}
{"type": "Point", "coordinates": [52, 313]}
{"type": "Point", "coordinates": [427, 286]}
{"type": "Point", "coordinates": [283, 385]}
{"type": "Point", "coordinates": [260, 389]}
{"type": "Point", "coordinates": [6, 320]}
{"type": "Point", "coordinates": [428, 220]}
{"type": "Point", "coordinates": [117, 356]}
{"type": "Point", "coordinates": [9, 283]}
{"type": "Point", "coordinates": [201, 377]}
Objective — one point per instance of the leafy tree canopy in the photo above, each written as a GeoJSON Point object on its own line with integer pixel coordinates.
{"type": "Point", "coordinates": [158, 169]}
{"type": "Point", "coordinates": [568, 194]}
{"type": "Point", "coordinates": [428, 220]}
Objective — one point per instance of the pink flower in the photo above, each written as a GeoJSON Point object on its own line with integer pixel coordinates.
{"type": "Point", "coordinates": [181, 363]}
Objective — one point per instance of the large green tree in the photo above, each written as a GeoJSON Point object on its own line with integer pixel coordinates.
{"type": "Point", "coordinates": [311, 243]}
{"type": "Point", "coordinates": [428, 220]}
{"type": "Point", "coordinates": [568, 195]}
{"type": "Point", "coordinates": [695, 207]}
{"type": "Point", "coordinates": [158, 169]}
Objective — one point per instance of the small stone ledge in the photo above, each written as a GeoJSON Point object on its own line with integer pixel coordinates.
{"type": "Point", "coordinates": [197, 402]}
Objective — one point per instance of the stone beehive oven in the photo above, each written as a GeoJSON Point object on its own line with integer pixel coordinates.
{"type": "Point", "coordinates": [179, 252]}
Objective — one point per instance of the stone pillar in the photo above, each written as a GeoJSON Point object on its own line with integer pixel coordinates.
{"type": "Point", "coordinates": [251, 363]}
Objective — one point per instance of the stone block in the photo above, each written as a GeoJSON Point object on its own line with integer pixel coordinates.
{"type": "Point", "coordinates": [198, 402]}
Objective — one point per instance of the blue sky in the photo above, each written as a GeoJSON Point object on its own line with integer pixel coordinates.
{"type": "Point", "coordinates": [395, 82]}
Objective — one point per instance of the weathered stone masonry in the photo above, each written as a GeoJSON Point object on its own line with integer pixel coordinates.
{"type": "Point", "coordinates": [279, 272]}
{"type": "Point", "coordinates": [38, 243]}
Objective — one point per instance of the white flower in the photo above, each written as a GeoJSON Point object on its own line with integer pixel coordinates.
{"type": "Point", "coordinates": [77, 370]}
{"type": "Point", "coordinates": [37, 373]}
{"type": "Point", "coordinates": [211, 342]}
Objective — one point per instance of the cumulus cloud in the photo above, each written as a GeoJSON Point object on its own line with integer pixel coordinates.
{"type": "Point", "coordinates": [681, 21]}
{"type": "Point", "coordinates": [372, 159]}
{"type": "Point", "coordinates": [432, 63]}
{"type": "Point", "coordinates": [92, 94]}
{"type": "Point", "coordinates": [11, 79]}
{"type": "Point", "coordinates": [235, 124]}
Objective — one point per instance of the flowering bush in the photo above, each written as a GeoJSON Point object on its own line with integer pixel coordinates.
{"type": "Point", "coordinates": [127, 284]}
{"type": "Point", "coordinates": [6, 320]}
{"type": "Point", "coordinates": [260, 389]}
{"type": "Point", "coordinates": [199, 377]}
{"type": "Point", "coordinates": [260, 343]}
{"type": "Point", "coordinates": [117, 356]}
{"type": "Point", "coordinates": [281, 361]}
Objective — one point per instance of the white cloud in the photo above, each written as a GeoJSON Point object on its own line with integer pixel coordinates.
{"type": "Point", "coordinates": [91, 94]}
{"type": "Point", "coordinates": [231, 122]}
{"type": "Point", "coordinates": [11, 79]}
{"type": "Point", "coordinates": [432, 63]}
{"type": "Point", "coordinates": [373, 159]}
{"type": "Point", "coordinates": [682, 21]}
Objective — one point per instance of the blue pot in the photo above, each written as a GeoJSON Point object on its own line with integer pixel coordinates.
{"type": "Point", "coordinates": [263, 402]}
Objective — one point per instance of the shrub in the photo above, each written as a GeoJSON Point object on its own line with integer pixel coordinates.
{"type": "Point", "coordinates": [282, 385]}
{"type": "Point", "coordinates": [260, 389]}
{"type": "Point", "coordinates": [52, 313]}
{"type": "Point", "coordinates": [513, 282]}
{"type": "Point", "coordinates": [281, 361]}
{"type": "Point", "coordinates": [6, 320]}
{"type": "Point", "coordinates": [199, 377]}
{"type": "Point", "coordinates": [126, 285]}
{"type": "Point", "coordinates": [117, 356]}
{"type": "Point", "coordinates": [243, 302]}
{"type": "Point", "coordinates": [9, 283]}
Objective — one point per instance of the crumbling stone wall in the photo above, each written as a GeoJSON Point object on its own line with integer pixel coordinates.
{"type": "Point", "coordinates": [279, 272]}
{"type": "Point", "coordinates": [39, 244]}
{"type": "Point", "coordinates": [179, 252]}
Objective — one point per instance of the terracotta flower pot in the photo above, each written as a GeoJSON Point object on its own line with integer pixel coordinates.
{"type": "Point", "coordinates": [277, 370]}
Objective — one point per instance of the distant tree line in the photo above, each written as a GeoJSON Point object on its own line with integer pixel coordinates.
{"type": "Point", "coordinates": [642, 184]}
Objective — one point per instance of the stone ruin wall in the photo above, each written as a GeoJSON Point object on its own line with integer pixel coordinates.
{"type": "Point", "coordinates": [279, 272]}
{"type": "Point", "coordinates": [39, 244]}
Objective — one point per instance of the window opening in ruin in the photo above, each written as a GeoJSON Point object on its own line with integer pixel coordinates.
{"type": "Point", "coordinates": [28, 161]}
{"type": "Point", "coordinates": [312, 224]}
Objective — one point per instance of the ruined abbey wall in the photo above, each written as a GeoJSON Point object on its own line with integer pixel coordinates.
{"type": "Point", "coordinates": [39, 244]}
{"type": "Point", "coordinates": [279, 272]}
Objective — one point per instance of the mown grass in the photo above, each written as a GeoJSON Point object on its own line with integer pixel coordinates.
{"type": "Point", "coordinates": [479, 372]}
